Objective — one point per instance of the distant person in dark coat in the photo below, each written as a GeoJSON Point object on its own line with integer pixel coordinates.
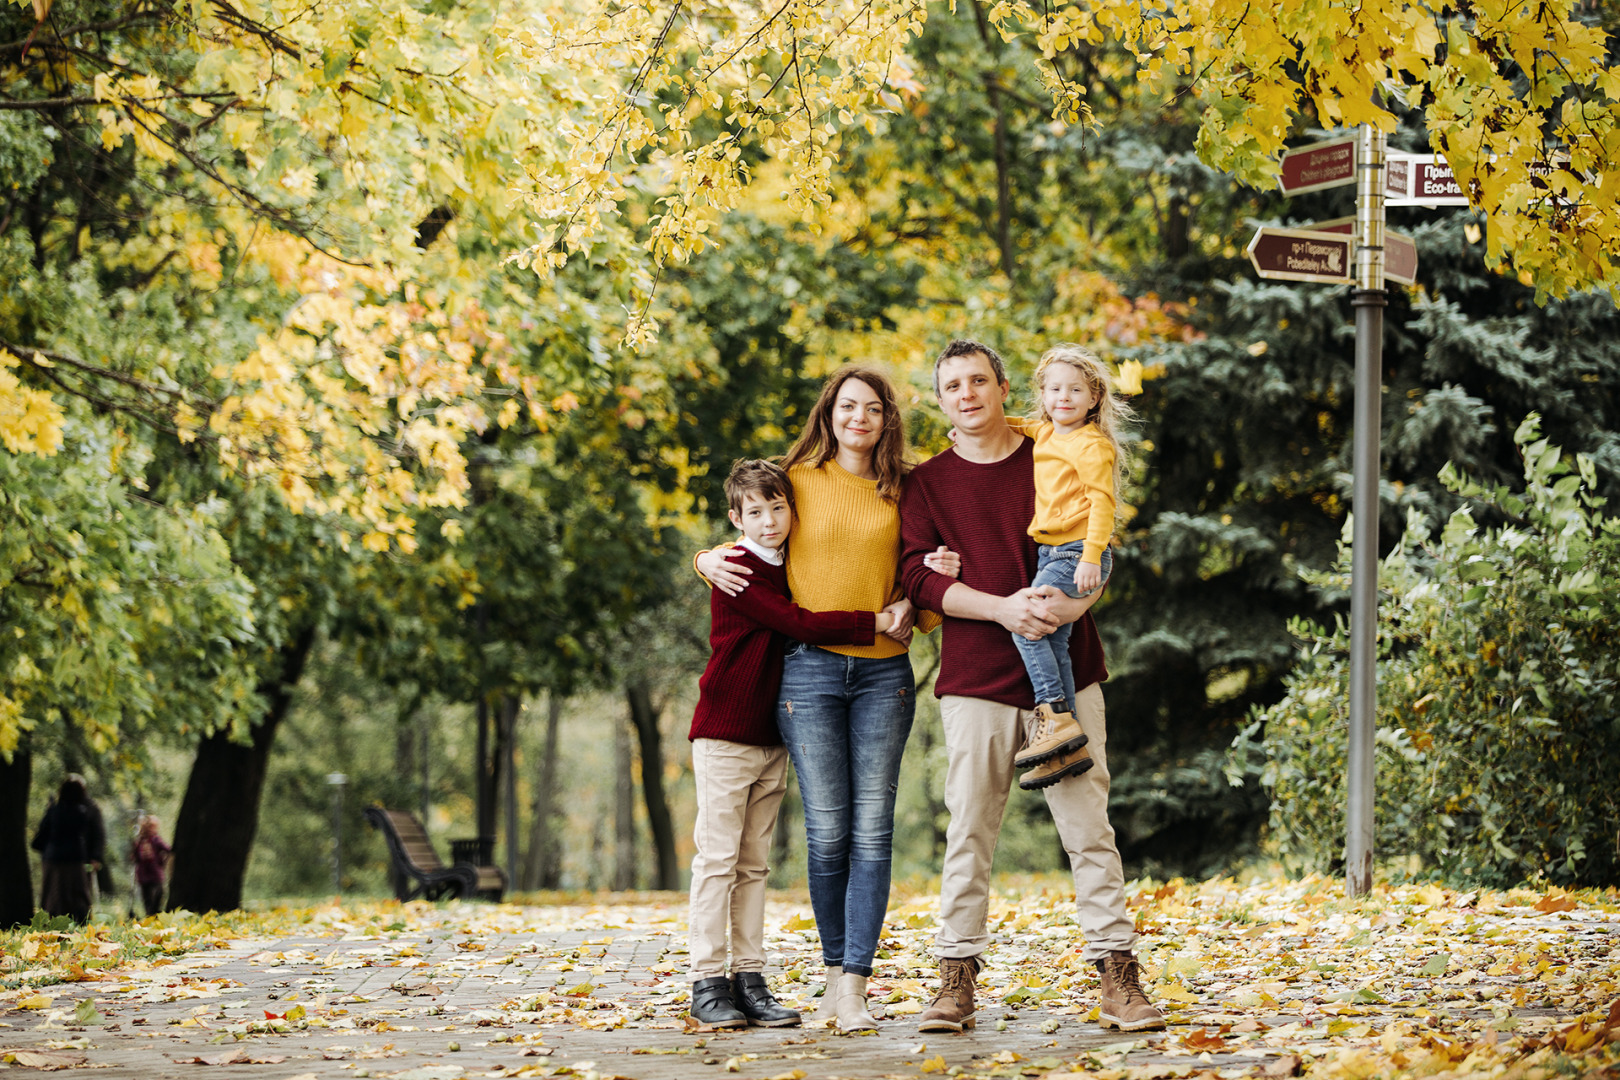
{"type": "Point", "coordinates": [72, 843]}
{"type": "Point", "coordinates": [151, 858]}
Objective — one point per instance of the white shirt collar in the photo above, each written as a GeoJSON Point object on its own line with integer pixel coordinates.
{"type": "Point", "coordinates": [771, 555]}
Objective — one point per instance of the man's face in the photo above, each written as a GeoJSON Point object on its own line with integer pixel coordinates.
{"type": "Point", "coordinates": [969, 393]}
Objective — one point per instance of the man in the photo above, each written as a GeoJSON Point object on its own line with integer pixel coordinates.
{"type": "Point", "coordinates": [977, 500]}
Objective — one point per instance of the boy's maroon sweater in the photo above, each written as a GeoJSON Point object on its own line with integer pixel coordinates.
{"type": "Point", "coordinates": [982, 512]}
{"type": "Point", "coordinates": [747, 635]}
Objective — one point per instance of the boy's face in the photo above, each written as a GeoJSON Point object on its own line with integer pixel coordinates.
{"type": "Point", "coordinates": [764, 519]}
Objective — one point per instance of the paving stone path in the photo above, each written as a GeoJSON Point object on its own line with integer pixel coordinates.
{"type": "Point", "coordinates": [480, 998]}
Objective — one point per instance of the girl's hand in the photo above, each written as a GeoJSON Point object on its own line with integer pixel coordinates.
{"type": "Point", "coordinates": [904, 616]}
{"type": "Point", "coordinates": [1087, 576]}
{"type": "Point", "coordinates": [944, 561]}
{"type": "Point", "coordinates": [723, 574]}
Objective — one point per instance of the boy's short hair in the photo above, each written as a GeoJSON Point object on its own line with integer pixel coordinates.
{"type": "Point", "coordinates": [755, 476]}
{"type": "Point", "coordinates": [967, 347]}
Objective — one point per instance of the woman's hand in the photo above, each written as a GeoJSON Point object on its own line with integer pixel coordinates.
{"type": "Point", "coordinates": [944, 561]}
{"type": "Point", "coordinates": [904, 616]}
{"type": "Point", "coordinates": [723, 574]}
{"type": "Point", "coordinates": [1087, 576]}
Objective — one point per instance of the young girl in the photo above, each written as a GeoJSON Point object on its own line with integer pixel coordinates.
{"type": "Point", "coordinates": [1076, 470]}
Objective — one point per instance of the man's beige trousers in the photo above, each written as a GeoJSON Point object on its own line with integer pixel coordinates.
{"type": "Point", "coordinates": [981, 739]}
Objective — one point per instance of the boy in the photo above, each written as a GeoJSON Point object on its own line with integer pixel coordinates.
{"type": "Point", "coordinates": [738, 758]}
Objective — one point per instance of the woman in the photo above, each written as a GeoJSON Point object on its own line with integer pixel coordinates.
{"type": "Point", "coordinates": [845, 711]}
{"type": "Point", "coordinates": [70, 836]}
{"type": "Point", "coordinates": [150, 854]}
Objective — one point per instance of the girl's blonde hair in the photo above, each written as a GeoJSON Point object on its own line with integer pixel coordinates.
{"type": "Point", "coordinates": [1109, 411]}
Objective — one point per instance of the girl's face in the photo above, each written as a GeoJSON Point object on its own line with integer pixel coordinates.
{"type": "Point", "coordinates": [1067, 396]}
{"type": "Point", "coordinates": [857, 417]}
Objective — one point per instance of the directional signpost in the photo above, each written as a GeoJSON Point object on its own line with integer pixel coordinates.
{"type": "Point", "coordinates": [1358, 251]}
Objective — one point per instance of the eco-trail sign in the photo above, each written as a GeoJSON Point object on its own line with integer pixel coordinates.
{"type": "Point", "coordinates": [1358, 251]}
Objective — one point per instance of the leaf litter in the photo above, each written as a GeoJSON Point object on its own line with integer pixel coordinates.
{"type": "Point", "coordinates": [1271, 979]}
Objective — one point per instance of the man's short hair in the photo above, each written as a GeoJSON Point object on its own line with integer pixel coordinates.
{"type": "Point", "coordinates": [967, 347]}
{"type": "Point", "coordinates": [755, 476]}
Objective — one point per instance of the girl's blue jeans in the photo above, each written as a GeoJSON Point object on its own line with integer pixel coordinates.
{"type": "Point", "coordinates": [1051, 671]}
{"type": "Point", "coordinates": [845, 720]}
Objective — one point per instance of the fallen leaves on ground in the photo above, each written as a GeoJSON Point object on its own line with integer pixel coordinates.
{"type": "Point", "coordinates": [1267, 979]}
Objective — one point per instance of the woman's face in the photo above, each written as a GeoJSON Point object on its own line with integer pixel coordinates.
{"type": "Point", "coordinates": [857, 417]}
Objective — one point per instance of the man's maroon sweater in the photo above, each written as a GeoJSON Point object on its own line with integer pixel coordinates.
{"type": "Point", "coordinates": [982, 512]}
{"type": "Point", "coordinates": [747, 635]}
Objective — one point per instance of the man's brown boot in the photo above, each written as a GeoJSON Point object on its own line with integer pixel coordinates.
{"type": "Point", "coordinates": [1124, 1003]}
{"type": "Point", "coordinates": [1048, 773]}
{"type": "Point", "coordinates": [1056, 732]}
{"type": "Point", "coordinates": [952, 1009]}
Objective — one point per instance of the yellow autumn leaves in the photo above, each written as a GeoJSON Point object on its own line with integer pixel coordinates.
{"type": "Point", "coordinates": [30, 420]}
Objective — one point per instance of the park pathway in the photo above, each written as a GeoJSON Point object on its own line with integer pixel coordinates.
{"type": "Point", "coordinates": [600, 991]}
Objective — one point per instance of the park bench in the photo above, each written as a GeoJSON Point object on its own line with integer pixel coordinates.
{"type": "Point", "coordinates": [417, 869]}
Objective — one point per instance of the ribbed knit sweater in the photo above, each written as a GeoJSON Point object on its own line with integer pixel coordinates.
{"type": "Point", "coordinates": [1074, 488]}
{"type": "Point", "coordinates": [982, 512]}
{"type": "Point", "coordinates": [747, 636]}
{"type": "Point", "coordinates": [845, 550]}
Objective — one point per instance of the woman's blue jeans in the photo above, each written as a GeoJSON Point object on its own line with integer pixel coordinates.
{"type": "Point", "coordinates": [845, 720]}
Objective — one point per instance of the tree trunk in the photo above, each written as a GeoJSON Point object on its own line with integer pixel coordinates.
{"type": "Point", "coordinates": [541, 866]}
{"type": "Point", "coordinates": [645, 717]}
{"type": "Point", "coordinates": [219, 815]}
{"type": "Point", "coordinates": [992, 90]}
{"type": "Point", "coordinates": [624, 812]}
{"type": "Point", "coordinates": [483, 775]}
{"type": "Point", "coordinates": [510, 704]}
{"type": "Point", "coordinates": [16, 873]}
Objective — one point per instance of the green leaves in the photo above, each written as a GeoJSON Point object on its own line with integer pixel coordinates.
{"type": "Point", "coordinates": [1499, 676]}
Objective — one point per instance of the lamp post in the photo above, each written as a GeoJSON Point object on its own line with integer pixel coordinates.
{"type": "Point", "coordinates": [337, 781]}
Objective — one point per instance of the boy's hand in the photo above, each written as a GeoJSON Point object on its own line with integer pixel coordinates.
{"type": "Point", "coordinates": [944, 561]}
{"type": "Point", "coordinates": [723, 574]}
{"type": "Point", "coordinates": [1087, 576]}
{"type": "Point", "coordinates": [903, 615]}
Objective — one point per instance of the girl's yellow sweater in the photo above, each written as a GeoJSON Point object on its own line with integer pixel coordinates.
{"type": "Point", "coordinates": [1074, 487]}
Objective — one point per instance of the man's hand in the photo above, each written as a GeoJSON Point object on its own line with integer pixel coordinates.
{"type": "Point", "coordinates": [1027, 614]}
{"type": "Point", "coordinates": [1063, 607]}
{"type": "Point", "coordinates": [716, 565]}
{"type": "Point", "coordinates": [1087, 576]}
{"type": "Point", "coordinates": [944, 561]}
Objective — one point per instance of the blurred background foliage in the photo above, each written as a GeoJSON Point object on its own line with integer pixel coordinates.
{"type": "Point", "coordinates": [184, 639]}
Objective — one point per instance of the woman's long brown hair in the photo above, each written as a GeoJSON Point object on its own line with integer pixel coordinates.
{"type": "Point", "coordinates": [817, 445]}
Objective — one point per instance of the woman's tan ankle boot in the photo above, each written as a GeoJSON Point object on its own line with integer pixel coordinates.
{"type": "Point", "coordinates": [852, 1011]}
{"type": "Point", "coordinates": [827, 1010]}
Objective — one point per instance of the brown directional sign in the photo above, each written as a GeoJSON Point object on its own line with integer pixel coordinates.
{"type": "Point", "coordinates": [1302, 255]}
{"type": "Point", "coordinates": [1400, 252]}
{"type": "Point", "coordinates": [1323, 165]}
{"type": "Point", "coordinates": [1421, 180]}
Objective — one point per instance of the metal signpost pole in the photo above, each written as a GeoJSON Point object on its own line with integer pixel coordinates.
{"type": "Point", "coordinates": [337, 780]}
{"type": "Point", "coordinates": [1369, 301]}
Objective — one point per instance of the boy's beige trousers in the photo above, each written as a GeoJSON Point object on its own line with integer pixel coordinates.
{"type": "Point", "coordinates": [739, 789]}
{"type": "Point", "coordinates": [981, 739]}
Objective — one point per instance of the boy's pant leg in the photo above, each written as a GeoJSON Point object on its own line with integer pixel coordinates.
{"type": "Point", "coordinates": [753, 860]}
{"type": "Point", "coordinates": [1079, 806]}
{"type": "Point", "coordinates": [981, 739]}
{"type": "Point", "coordinates": [726, 773]}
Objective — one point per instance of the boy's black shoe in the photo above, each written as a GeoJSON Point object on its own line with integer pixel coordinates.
{"type": "Point", "coordinates": [754, 998]}
{"type": "Point", "coordinates": [712, 1005]}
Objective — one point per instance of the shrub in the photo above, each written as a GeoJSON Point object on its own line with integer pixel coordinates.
{"type": "Point", "coordinates": [1498, 737]}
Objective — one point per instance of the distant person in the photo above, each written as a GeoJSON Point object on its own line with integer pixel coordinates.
{"type": "Point", "coordinates": [738, 759]}
{"type": "Point", "coordinates": [72, 844]}
{"type": "Point", "coordinates": [150, 855]}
